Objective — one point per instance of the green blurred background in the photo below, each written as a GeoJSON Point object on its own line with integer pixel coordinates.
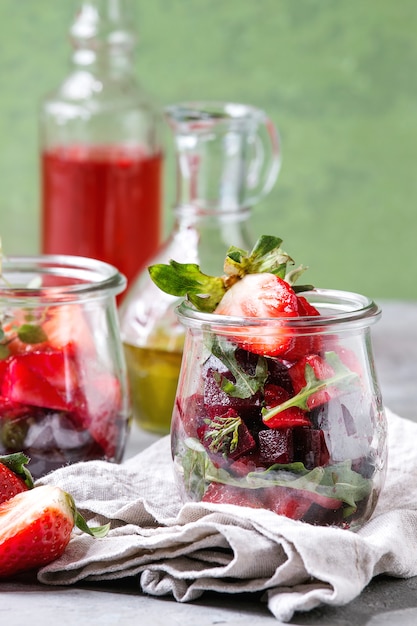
{"type": "Point", "coordinates": [338, 78]}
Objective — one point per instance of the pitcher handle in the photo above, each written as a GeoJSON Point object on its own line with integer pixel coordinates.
{"type": "Point", "coordinates": [265, 165]}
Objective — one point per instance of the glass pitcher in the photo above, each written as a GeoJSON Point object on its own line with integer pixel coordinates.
{"type": "Point", "coordinates": [228, 157]}
{"type": "Point", "coordinates": [305, 436]}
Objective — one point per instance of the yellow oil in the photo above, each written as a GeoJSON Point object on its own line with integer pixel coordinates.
{"type": "Point", "coordinates": [153, 377]}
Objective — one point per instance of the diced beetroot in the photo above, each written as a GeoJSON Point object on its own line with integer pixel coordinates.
{"type": "Point", "coordinates": [278, 375]}
{"type": "Point", "coordinates": [245, 441]}
{"type": "Point", "coordinates": [228, 494]}
{"type": "Point", "coordinates": [276, 446]}
{"type": "Point", "coordinates": [246, 463]}
{"type": "Point", "coordinates": [322, 370]}
{"type": "Point", "coordinates": [275, 395]}
{"type": "Point", "coordinates": [310, 447]}
{"type": "Point", "coordinates": [24, 385]}
{"type": "Point", "coordinates": [217, 401]}
{"type": "Point", "coordinates": [191, 412]}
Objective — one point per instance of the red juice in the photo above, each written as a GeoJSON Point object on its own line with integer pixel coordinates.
{"type": "Point", "coordinates": [102, 202]}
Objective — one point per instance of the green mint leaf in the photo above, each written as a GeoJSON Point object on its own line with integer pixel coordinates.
{"type": "Point", "coordinates": [186, 279]}
{"type": "Point", "coordinates": [245, 385]}
{"type": "Point", "coordinates": [31, 333]}
{"type": "Point", "coordinates": [343, 378]}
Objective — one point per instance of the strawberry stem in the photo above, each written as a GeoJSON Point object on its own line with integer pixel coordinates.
{"type": "Point", "coordinates": [16, 462]}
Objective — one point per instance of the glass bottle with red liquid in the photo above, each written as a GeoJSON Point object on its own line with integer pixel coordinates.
{"type": "Point", "coordinates": [101, 148]}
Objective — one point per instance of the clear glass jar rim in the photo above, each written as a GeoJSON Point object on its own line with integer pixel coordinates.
{"type": "Point", "coordinates": [349, 310]}
{"type": "Point", "coordinates": [94, 276]}
{"type": "Point", "coordinates": [189, 112]}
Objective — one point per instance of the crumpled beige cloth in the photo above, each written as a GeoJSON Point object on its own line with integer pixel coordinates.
{"type": "Point", "coordinates": [185, 550]}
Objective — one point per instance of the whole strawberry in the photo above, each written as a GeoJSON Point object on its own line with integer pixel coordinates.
{"type": "Point", "coordinates": [14, 476]}
{"type": "Point", "coordinates": [35, 528]}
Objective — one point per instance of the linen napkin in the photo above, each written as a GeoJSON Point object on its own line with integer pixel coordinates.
{"type": "Point", "coordinates": [186, 549]}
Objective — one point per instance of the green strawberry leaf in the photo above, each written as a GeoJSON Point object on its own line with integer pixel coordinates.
{"type": "Point", "coordinates": [16, 462]}
{"type": "Point", "coordinates": [266, 256]}
{"type": "Point", "coordinates": [245, 385]}
{"type": "Point", "coordinates": [343, 378]}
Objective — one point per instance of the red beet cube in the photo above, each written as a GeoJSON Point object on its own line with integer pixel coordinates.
{"type": "Point", "coordinates": [310, 447]}
{"type": "Point", "coordinates": [276, 446]}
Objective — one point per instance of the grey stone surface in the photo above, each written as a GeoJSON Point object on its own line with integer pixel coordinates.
{"type": "Point", "coordinates": [385, 602]}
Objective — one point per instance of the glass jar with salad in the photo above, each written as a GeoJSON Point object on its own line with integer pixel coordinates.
{"type": "Point", "coordinates": [278, 404]}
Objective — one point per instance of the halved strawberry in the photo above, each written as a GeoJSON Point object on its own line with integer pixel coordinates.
{"type": "Point", "coordinates": [261, 296]}
{"type": "Point", "coordinates": [56, 368]}
{"type": "Point", "coordinates": [35, 528]}
{"type": "Point", "coordinates": [304, 343]}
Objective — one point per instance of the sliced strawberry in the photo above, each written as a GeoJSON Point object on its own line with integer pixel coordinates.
{"type": "Point", "coordinates": [35, 528]}
{"type": "Point", "coordinates": [261, 296]}
{"type": "Point", "coordinates": [57, 368]}
{"type": "Point", "coordinates": [289, 418]}
{"type": "Point", "coordinates": [322, 370]}
{"type": "Point", "coordinates": [24, 385]}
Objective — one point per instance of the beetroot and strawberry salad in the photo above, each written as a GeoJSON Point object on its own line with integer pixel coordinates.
{"type": "Point", "coordinates": [268, 423]}
{"type": "Point", "coordinates": [58, 403]}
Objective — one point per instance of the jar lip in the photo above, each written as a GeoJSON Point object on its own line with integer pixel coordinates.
{"type": "Point", "coordinates": [341, 308]}
{"type": "Point", "coordinates": [74, 277]}
{"type": "Point", "coordinates": [203, 112]}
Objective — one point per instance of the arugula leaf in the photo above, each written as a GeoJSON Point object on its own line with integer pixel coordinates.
{"type": "Point", "coordinates": [186, 279]}
{"type": "Point", "coordinates": [336, 481]}
{"type": "Point", "coordinates": [343, 378]}
{"type": "Point", "coordinates": [245, 385]}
